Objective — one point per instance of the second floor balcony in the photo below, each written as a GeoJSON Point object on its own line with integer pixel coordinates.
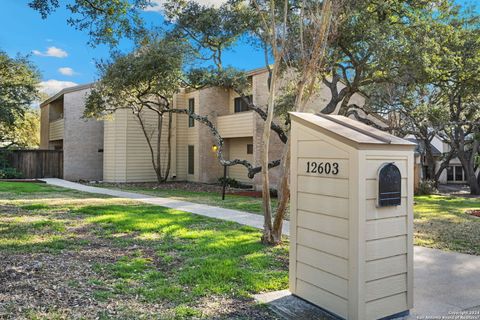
{"type": "Point", "coordinates": [56, 129]}
{"type": "Point", "coordinates": [236, 125]}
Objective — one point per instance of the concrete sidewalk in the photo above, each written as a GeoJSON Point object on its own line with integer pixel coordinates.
{"type": "Point", "coordinates": [245, 218]}
{"type": "Point", "coordinates": [446, 283]}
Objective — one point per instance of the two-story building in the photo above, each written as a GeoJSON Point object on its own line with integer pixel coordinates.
{"type": "Point", "coordinates": [63, 128]}
{"type": "Point", "coordinates": [126, 156]}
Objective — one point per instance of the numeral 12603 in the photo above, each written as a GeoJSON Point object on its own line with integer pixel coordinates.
{"type": "Point", "coordinates": [322, 167]}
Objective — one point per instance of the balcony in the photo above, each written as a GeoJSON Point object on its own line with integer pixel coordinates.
{"type": "Point", "coordinates": [236, 125]}
{"type": "Point", "coordinates": [56, 130]}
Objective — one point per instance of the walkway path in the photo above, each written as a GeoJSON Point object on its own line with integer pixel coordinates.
{"type": "Point", "coordinates": [445, 282]}
{"type": "Point", "coordinates": [245, 218]}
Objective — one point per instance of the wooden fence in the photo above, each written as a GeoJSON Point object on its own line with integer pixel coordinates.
{"type": "Point", "coordinates": [36, 163]}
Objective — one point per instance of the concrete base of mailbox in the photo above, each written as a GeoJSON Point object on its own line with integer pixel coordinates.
{"type": "Point", "coordinates": [292, 307]}
{"type": "Point", "coordinates": [350, 253]}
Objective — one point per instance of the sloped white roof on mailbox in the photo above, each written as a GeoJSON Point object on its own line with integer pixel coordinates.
{"type": "Point", "coordinates": [349, 129]}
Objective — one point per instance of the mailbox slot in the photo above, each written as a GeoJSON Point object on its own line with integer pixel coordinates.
{"type": "Point", "coordinates": [389, 185]}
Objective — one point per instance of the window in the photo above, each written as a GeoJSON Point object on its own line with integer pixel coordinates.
{"type": "Point", "coordinates": [191, 109]}
{"type": "Point", "coordinates": [249, 148]}
{"type": "Point", "coordinates": [191, 160]}
{"type": "Point", "coordinates": [241, 105]}
{"type": "Point", "coordinates": [458, 173]}
{"type": "Point", "coordinates": [450, 173]}
{"type": "Point", "coordinates": [455, 174]}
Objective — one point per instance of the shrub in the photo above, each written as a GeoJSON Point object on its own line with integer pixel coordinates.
{"type": "Point", "coordinates": [231, 182]}
{"type": "Point", "coordinates": [426, 187]}
{"type": "Point", "coordinates": [10, 173]}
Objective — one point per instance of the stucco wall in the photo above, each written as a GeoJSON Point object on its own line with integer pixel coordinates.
{"type": "Point", "coordinates": [82, 140]}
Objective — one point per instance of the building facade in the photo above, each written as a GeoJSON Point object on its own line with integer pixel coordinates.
{"type": "Point", "coordinates": [63, 128]}
{"type": "Point", "coordinates": [127, 157]}
{"type": "Point", "coordinates": [115, 150]}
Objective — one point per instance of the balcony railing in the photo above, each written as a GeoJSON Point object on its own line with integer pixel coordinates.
{"type": "Point", "coordinates": [56, 129]}
{"type": "Point", "coordinates": [236, 125]}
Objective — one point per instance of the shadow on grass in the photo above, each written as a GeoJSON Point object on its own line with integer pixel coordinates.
{"type": "Point", "coordinates": [169, 255]}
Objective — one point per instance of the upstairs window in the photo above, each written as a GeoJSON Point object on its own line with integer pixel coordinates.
{"type": "Point", "coordinates": [241, 105]}
{"type": "Point", "coordinates": [191, 109]}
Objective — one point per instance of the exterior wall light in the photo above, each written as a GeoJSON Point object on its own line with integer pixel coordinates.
{"type": "Point", "coordinates": [214, 148]}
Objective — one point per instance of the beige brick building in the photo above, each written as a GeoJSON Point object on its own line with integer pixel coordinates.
{"type": "Point", "coordinates": [63, 128]}
{"type": "Point", "coordinates": [126, 156]}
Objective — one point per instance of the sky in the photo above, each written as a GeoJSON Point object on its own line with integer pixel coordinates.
{"type": "Point", "coordinates": [61, 52]}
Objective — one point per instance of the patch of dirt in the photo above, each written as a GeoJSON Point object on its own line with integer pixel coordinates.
{"type": "Point", "coordinates": [187, 186]}
{"type": "Point", "coordinates": [475, 213]}
{"type": "Point", "coordinates": [66, 285]}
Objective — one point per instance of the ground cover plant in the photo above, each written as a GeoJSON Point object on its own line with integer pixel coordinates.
{"type": "Point", "coordinates": [67, 254]}
{"type": "Point", "coordinates": [444, 222]}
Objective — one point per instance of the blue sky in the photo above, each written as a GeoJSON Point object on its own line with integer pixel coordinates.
{"type": "Point", "coordinates": [61, 52]}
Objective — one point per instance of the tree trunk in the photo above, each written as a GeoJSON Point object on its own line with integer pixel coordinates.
{"type": "Point", "coordinates": [169, 148]}
{"type": "Point", "coordinates": [150, 147]}
{"type": "Point", "coordinates": [283, 196]}
{"type": "Point", "coordinates": [430, 160]}
{"type": "Point", "coordinates": [158, 170]}
{"type": "Point", "coordinates": [267, 205]}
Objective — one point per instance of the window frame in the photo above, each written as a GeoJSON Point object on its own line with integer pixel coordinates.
{"type": "Point", "coordinates": [191, 159]}
{"type": "Point", "coordinates": [191, 109]}
{"type": "Point", "coordinates": [249, 148]}
{"type": "Point", "coordinates": [242, 107]}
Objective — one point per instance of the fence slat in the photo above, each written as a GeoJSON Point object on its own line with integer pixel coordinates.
{"type": "Point", "coordinates": [35, 164]}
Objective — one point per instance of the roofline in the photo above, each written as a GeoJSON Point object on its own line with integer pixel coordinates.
{"type": "Point", "coordinates": [382, 138]}
{"type": "Point", "coordinates": [260, 70]}
{"type": "Point", "coordinates": [67, 90]}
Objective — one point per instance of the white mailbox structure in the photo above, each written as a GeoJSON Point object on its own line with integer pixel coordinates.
{"type": "Point", "coordinates": [351, 227]}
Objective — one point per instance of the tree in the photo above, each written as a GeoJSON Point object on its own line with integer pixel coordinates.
{"type": "Point", "coordinates": [106, 22]}
{"type": "Point", "coordinates": [414, 109]}
{"type": "Point", "coordinates": [18, 88]}
{"type": "Point", "coordinates": [451, 53]}
{"type": "Point", "coordinates": [23, 133]}
{"type": "Point", "coordinates": [371, 47]}
{"type": "Point", "coordinates": [143, 81]}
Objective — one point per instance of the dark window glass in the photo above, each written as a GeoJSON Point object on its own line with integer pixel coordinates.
{"type": "Point", "coordinates": [249, 148]}
{"type": "Point", "coordinates": [458, 173]}
{"type": "Point", "coordinates": [426, 173]}
{"type": "Point", "coordinates": [241, 105]}
{"type": "Point", "coordinates": [191, 109]}
{"type": "Point", "coordinates": [389, 186]}
{"type": "Point", "coordinates": [450, 173]}
{"type": "Point", "coordinates": [191, 160]}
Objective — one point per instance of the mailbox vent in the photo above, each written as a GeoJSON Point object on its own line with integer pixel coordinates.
{"type": "Point", "coordinates": [389, 186]}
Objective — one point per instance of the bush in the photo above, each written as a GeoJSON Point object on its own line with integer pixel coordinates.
{"type": "Point", "coordinates": [230, 182]}
{"type": "Point", "coordinates": [10, 173]}
{"type": "Point", "coordinates": [426, 187]}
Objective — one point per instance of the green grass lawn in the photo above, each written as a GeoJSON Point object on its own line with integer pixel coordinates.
{"type": "Point", "coordinates": [441, 222]}
{"type": "Point", "coordinates": [236, 202]}
{"type": "Point", "coordinates": [67, 254]}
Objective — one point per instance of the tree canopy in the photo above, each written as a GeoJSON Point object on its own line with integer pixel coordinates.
{"type": "Point", "coordinates": [18, 87]}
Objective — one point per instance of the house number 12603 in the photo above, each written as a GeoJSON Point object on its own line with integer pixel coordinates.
{"type": "Point", "coordinates": [322, 167]}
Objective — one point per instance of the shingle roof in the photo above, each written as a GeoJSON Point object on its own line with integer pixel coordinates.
{"type": "Point", "coordinates": [351, 130]}
{"type": "Point", "coordinates": [66, 90]}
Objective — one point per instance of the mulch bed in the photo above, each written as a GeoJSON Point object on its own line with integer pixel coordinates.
{"type": "Point", "coordinates": [187, 186]}
{"type": "Point", "coordinates": [475, 213]}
